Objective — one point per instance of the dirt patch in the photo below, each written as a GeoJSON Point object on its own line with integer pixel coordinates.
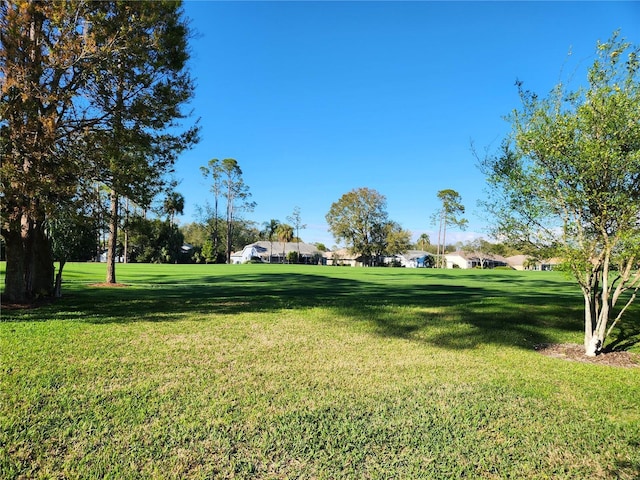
{"type": "Point", "coordinates": [575, 352]}
{"type": "Point", "coordinates": [109, 285]}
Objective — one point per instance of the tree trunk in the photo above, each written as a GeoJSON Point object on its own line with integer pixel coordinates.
{"type": "Point", "coordinates": [229, 234]}
{"type": "Point", "coordinates": [29, 271]}
{"type": "Point", "coordinates": [126, 232]}
{"type": "Point", "coordinates": [113, 239]}
{"type": "Point", "coordinates": [594, 321]}
{"type": "Point", "coordinates": [438, 259]}
{"type": "Point", "coordinates": [58, 286]}
{"type": "Point", "coordinates": [215, 227]}
{"type": "Point", "coordinates": [590, 341]}
{"type": "Point", "coordinates": [444, 242]}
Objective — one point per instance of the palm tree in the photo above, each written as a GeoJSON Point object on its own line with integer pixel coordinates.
{"type": "Point", "coordinates": [423, 241]}
{"type": "Point", "coordinates": [269, 232]}
{"type": "Point", "coordinates": [449, 214]}
{"type": "Point", "coordinates": [284, 233]}
{"type": "Point", "coordinates": [297, 224]}
{"type": "Point", "coordinates": [173, 205]}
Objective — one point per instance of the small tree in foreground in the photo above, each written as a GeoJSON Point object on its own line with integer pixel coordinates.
{"type": "Point", "coordinates": [567, 182]}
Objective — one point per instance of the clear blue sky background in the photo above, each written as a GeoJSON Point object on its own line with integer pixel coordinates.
{"type": "Point", "coordinates": [315, 99]}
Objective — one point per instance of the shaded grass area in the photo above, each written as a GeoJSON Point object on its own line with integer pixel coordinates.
{"type": "Point", "coordinates": [263, 371]}
{"type": "Point", "coordinates": [492, 307]}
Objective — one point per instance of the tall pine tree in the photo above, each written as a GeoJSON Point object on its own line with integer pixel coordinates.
{"type": "Point", "coordinates": [138, 94]}
{"type": "Point", "coordinates": [46, 52]}
{"type": "Point", "coordinates": [89, 91]}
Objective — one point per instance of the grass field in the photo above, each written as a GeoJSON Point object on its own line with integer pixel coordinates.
{"type": "Point", "coordinates": [283, 371]}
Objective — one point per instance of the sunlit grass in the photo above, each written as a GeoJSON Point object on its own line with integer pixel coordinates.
{"type": "Point", "coordinates": [264, 371]}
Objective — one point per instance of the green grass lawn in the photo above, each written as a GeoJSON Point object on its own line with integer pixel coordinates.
{"type": "Point", "coordinates": [283, 371]}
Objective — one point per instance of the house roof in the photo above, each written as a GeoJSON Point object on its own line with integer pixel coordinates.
{"type": "Point", "coordinates": [413, 254]}
{"type": "Point", "coordinates": [476, 256]}
{"type": "Point", "coordinates": [517, 260]}
{"type": "Point", "coordinates": [342, 253]}
{"type": "Point", "coordinates": [521, 259]}
{"type": "Point", "coordinates": [264, 248]}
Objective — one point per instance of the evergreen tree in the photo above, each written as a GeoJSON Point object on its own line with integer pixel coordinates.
{"type": "Point", "coordinates": [88, 93]}
{"type": "Point", "coordinates": [138, 93]}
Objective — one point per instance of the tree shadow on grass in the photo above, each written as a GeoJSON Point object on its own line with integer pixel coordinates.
{"type": "Point", "coordinates": [625, 336]}
{"type": "Point", "coordinates": [627, 468]}
{"type": "Point", "coordinates": [438, 308]}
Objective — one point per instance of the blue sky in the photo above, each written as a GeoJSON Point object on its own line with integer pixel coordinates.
{"type": "Point", "coordinates": [314, 99]}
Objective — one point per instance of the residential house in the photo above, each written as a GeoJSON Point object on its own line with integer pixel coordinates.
{"type": "Point", "coordinates": [342, 257]}
{"type": "Point", "coordinates": [526, 262]}
{"type": "Point", "coordinates": [411, 259]}
{"type": "Point", "coordinates": [518, 262]}
{"type": "Point", "coordinates": [276, 252]}
{"type": "Point", "coordinates": [461, 259]}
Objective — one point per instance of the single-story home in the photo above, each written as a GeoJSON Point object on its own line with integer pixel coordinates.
{"type": "Point", "coordinates": [527, 262]}
{"type": "Point", "coordinates": [276, 252]}
{"type": "Point", "coordinates": [103, 257]}
{"type": "Point", "coordinates": [342, 256]}
{"type": "Point", "coordinates": [409, 259]}
{"type": "Point", "coordinates": [461, 259]}
{"type": "Point", "coordinates": [412, 259]}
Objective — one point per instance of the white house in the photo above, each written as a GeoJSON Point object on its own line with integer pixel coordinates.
{"type": "Point", "coordinates": [103, 257]}
{"type": "Point", "coordinates": [460, 259]}
{"type": "Point", "coordinates": [526, 262]}
{"type": "Point", "coordinates": [342, 257]}
{"type": "Point", "coordinates": [412, 259]}
{"type": "Point", "coordinates": [276, 252]}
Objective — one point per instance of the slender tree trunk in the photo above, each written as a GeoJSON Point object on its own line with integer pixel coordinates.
{"type": "Point", "coordinates": [229, 243]}
{"type": "Point", "coordinates": [438, 258]}
{"type": "Point", "coordinates": [126, 232]}
{"type": "Point", "coordinates": [589, 347]}
{"type": "Point", "coordinates": [229, 221]}
{"type": "Point", "coordinates": [444, 242]}
{"type": "Point", "coordinates": [58, 285]}
{"type": "Point", "coordinates": [215, 227]}
{"type": "Point", "coordinates": [114, 166]}
{"type": "Point", "coordinates": [593, 312]}
{"type": "Point", "coordinates": [113, 238]}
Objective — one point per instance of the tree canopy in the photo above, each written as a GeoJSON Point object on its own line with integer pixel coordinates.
{"type": "Point", "coordinates": [228, 183]}
{"type": "Point", "coordinates": [360, 218]}
{"type": "Point", "coordinates": [449, 214]}
{"type": "Point", "coordinates": [567, 182]}
{"type": "Point", "coordinates": [90, 95]}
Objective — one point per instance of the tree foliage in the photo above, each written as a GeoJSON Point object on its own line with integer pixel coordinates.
{"type": "Point", "coordinates": [90, 93]}
{"type": "Point", "coordinates": [139, 90]}
{"type": "Point", "coordinates": [567, 181]}
{"type": "Point", "coordinates": [394, 239]}
{"type": "Point", "coordinates": [296, 219]}
{"type": "Point", "coordinates": [228, 183]}
{"type": "Point", "coordinates": [360, 218]}
{"type": "Point", "coordinates": [45, 50]}
{"type": "Point", "coordinates": [423, 241]}
{"type": "Point", "coordinates": [284, 232]}
{"type": "Point", "coordinates": [199, 235]}
{"type": "Point", "coordinates": [155, 241]}
{"type": "Point", "coordinates": [73, 237]}
{"type": "Point", "coordinates": [449, 214]}
{"type": "Point", "coordinates": [173, 205]}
